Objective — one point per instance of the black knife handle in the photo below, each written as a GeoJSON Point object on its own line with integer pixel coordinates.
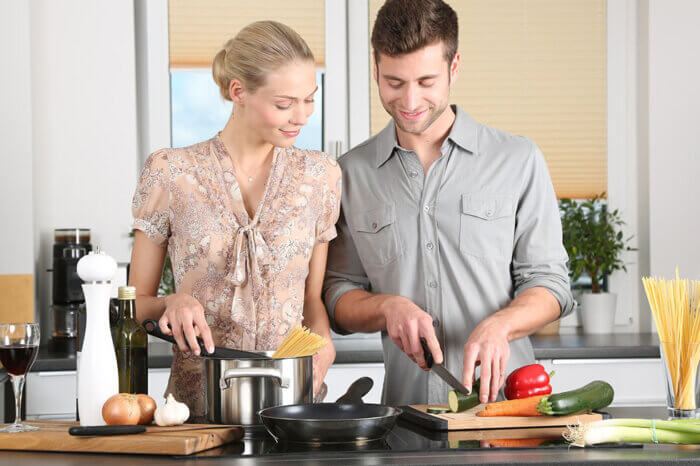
{"type": "Point", "coordinates": [426, 353]}
{"type": "Point", "coordinates": [152, 328]}
{"type": "Point", "coordinates": [91, 431]}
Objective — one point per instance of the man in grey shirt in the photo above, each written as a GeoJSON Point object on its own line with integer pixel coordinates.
{"type": "Point", "coordinates": [449, 229]}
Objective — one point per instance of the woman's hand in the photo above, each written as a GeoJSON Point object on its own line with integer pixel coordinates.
{"type": "Point", "coordinates": [184, 320]}
{"type": "Point", "coordinates": [322, 362]}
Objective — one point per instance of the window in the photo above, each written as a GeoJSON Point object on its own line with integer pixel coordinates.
{"type": "Point", "coordinates": [198, 30]}
{"type": "Point", "coordinates": [198, 111]}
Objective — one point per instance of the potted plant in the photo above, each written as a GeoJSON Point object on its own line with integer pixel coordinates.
{"type": "Point", "coordinates": [594, 240]}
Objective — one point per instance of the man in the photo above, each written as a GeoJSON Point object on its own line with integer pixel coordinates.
{"type": "Point", "coordinates": [449, 229]}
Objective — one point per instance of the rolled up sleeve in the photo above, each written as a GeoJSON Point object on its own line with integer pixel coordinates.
{"type": "Point", "coordinates": [344, 271]}
{"type": "Point", "coordinates": [539, 257]}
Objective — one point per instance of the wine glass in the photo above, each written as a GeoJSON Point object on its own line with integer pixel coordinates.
{"type": "Point", "coordinates": [19, 346]}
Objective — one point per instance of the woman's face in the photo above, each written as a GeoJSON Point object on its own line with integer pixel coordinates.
{"type": "Point", "coordinates": [277, 110]}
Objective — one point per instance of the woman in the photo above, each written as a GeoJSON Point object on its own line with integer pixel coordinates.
{"type": "Point", "coordinates": [245, 216]}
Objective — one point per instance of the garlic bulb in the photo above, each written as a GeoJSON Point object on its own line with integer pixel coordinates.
{"type": "Point", "coordinates": [172, 413]}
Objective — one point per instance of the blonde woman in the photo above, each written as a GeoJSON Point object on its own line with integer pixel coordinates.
{"type": "Point", "coordinates": [245, 216]}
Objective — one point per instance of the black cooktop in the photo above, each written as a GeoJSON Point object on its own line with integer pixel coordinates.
{"type": "Point", "coordinates": [405, 437]}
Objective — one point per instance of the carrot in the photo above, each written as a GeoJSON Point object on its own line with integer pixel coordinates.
{"type": "Point", "coordinates": [516, 442]}
{"type": "Point", "coordinates": [517, 407]}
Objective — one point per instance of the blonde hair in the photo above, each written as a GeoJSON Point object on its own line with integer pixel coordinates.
{"type": "Point", "coordinates": [259, 48]}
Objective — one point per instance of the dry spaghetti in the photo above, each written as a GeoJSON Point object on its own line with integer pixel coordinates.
{"type": "Point", "coordinates": [675, 306]}
{"type": "Point", "coordinates": [300, 342]}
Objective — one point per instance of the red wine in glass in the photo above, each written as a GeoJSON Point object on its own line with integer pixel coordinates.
{"type": "Point", "coordinates": [19, 346]}
{"type": "Point", "coordinates": [17, 359]}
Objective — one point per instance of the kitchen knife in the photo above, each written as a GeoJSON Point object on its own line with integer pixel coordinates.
{"type": "Point", "coordinates": [152, 328]}
{"type": "Point", "coordinates": [91, 431]}
{"type": "Point", "coordinates": [440, 370]}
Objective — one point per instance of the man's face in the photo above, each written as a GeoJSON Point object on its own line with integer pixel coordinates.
{"type": "Point", "coordinates": [415, 88]}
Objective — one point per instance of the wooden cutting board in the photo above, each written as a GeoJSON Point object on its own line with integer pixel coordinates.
{"type": "Point", "coordinates": [176, 440]}
{"type": "Point", "coordinates": [468, 420]}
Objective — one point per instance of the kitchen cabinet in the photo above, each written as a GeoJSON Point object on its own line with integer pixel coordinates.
{"type": "Point", "coordinates": [636, 381]}
{"type": "Point", "coordinates": [51, 394]}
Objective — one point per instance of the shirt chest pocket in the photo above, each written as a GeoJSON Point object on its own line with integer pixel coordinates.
{"type": "Point", "coordinates": [487, 225]}
{"type": "Point", "coordinates": [376, 238]}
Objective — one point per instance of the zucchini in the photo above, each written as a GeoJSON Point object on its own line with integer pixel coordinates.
{"type": "Point", "coordinates": [461, 402]}
{"type": "Point", "coordinates": [437, 410]}
{"type": "Point", "coordinates": [595, 395]}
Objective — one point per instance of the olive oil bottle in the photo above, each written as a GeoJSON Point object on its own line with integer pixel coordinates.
{"type": "Point", "coordinates": [131, 345]}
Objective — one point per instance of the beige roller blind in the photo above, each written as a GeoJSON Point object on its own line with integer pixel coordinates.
{"type": "Point", "coordinates": [535, 68]}
{"type": "Point", "coordinates": [199, 28]}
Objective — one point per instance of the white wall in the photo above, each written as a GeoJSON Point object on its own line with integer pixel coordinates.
{"type": "Point", "coordinates": [674, 137]}
{"type": "Point", "coordinates": [16, 218]}
{"type": "Point", "coordinates": [83, 90]}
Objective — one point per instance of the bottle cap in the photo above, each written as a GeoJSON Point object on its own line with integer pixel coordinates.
{"type": "Point", "coordinates": [127, 292]}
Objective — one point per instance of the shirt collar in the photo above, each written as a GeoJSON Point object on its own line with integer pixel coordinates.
{"type": "Point", "coordinates": [463, 133]}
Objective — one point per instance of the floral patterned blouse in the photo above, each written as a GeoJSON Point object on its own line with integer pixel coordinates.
{"type": "Point", "coordinates": [248, 274]}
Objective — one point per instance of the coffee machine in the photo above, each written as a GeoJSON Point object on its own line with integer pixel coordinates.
{"type": "Point", "coordinates": [70, 244]}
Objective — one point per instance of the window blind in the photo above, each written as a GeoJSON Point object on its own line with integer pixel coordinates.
{"type": "Point", "coordinates": [198, 29]}
{"type": "Point", "coordinates": [535, 68]}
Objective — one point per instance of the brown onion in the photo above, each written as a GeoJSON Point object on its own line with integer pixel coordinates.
{"type": "Point", "coordinates": [147, 406]}
{"type": "Point", "coordinates": [121, 409]}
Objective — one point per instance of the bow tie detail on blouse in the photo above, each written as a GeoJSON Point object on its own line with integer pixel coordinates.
{"type": "Point", "coordinates": [249, 251]}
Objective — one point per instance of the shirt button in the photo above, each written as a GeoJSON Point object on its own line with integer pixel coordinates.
{"type": "Point", "coordinates": [374, 226]}
{"type": "Point", "coordinates": [413, 174]}
{"type": "Point", "coordinates": [430, 245]}
{"type": "Point", "coordinates": [432, 284]}
{"type": "Point", "coordinates": [489, 213]}
{"type": "Point", "coordinates": [426, 208]}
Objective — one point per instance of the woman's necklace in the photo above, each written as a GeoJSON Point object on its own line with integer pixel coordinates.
{"type": "Point", "coordinates": [250, 178]}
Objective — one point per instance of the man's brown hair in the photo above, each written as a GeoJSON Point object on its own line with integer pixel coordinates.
{"type": "Point", "coordinates": [404, 26]}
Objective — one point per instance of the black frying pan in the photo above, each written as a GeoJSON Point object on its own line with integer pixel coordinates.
{"type": "Point", "coordinates": [348, 420]}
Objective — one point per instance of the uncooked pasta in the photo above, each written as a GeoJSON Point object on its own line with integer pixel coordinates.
{"type": "Point", "coordinates": [675, 305]}
{"type": "Point", "coordinates": [300, 342]}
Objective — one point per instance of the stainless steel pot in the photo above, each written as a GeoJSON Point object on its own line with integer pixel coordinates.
{"type": "Point", "coordinates": [238, 388]}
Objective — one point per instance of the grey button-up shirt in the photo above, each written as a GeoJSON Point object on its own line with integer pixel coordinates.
{"type": "Point", "coordinates": [460, 241]}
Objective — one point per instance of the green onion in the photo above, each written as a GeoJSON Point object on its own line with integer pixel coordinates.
{"type": "Point", "coordinates": [685, 431]}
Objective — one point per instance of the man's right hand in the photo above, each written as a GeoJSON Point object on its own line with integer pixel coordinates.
{"type": "Point", "coordinates": [184, 320]}
{"type": "Point", "coordinates": [406, 324]}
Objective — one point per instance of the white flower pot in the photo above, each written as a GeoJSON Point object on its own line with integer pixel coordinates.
{"type": "Point", "coordinates": [598, 312]}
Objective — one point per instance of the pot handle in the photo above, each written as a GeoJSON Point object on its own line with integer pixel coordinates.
{"type": "Point", "coordinates": [236, 373]}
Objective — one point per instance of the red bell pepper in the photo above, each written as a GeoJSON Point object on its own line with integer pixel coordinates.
{"type": "Point", "coordinates": [528, 381]}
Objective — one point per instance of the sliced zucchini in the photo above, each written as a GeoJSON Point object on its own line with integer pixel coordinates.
{"type": "Point", "coordinates": [437, 410]}
{"type": "Point", "coordinates": [461, 402]}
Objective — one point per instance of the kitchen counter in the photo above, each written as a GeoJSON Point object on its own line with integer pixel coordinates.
{"type": "Point", "coordinates": [368, 350]}
{"type": "Point", "coordinates": [404, 445]}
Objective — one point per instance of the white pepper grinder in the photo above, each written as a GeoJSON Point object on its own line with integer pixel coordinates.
{"type": "Point", "coordinates": [98, 378]}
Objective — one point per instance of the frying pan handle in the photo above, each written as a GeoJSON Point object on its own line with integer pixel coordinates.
{"type": "Point", "coordinates": [356, 391]}
{"type": "Point", "coordinates": [236, 373]}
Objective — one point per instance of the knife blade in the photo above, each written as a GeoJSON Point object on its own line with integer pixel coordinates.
{"type": "Point", "coordinates": [440, 370]}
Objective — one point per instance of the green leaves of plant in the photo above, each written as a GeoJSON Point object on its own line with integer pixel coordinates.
{"type": "Point", "coordinates": [593, 239]}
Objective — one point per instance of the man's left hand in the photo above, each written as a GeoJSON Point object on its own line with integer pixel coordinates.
{"type": "Point", "coordinates": [487, 347]}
